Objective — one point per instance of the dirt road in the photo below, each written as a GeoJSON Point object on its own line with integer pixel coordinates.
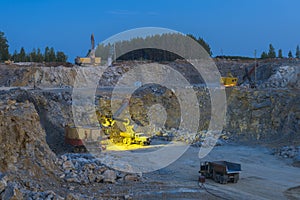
{"type": "Point", "coordinates": [263, 177]}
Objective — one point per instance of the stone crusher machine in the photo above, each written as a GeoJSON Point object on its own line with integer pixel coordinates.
{"type": "Point", "coordinates": [221, 171]}
{"type": "Point", "coordinates": [85, 138]}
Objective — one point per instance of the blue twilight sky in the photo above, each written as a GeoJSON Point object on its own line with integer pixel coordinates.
{"type": "Point", "coordinates": [234, 27]}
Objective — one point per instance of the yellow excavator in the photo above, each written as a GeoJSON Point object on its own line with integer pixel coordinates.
{"type": "Point", "coordinates": [129, 136]}
{"type": "Point", "coordinates": [91, 58]}
{"type": "Point", "coordinates": [229, 81]}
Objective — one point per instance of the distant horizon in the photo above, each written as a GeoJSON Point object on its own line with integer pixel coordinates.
{"type": "Point", "coordinates": [231, 28]}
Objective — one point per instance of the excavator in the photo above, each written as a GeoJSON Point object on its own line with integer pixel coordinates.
{"type": "Point", "coordinates": [229, 81]}
{"type": "Point", "coordinates": [91, 58]}
{"type": "Point", "coordinates": [129, 136]}
{"type": "Point", "coordinates": [247, 76]}
{"type": "Point", "coordinates": [96, 138]}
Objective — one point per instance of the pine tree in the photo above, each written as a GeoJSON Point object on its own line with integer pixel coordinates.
{"type": "Point", "coordinates": [272, 53]}
{"type": "Point", "coordinates": [297, 52]}
{"type": "Point", "coordinates": [39, 56]}
{"type": "Point", "coordinates": [280, 53]}
{"type": "Point", "coordinates": [202, 43]}
{"type": "Point", "coordinates": [264, 55]}
{"type": "Point", "coordinates": [4, 53]}
{"type": "Point", "coordinates": [33, 56]}
{"type": "Point", "coordinates": [47, 54]}
{"type": "Point", "coordinates": [15, 56]}
{"type": "Point", "coordinates": [22, 55]}
{"type": "Point", "coordinates": [61, 57]}
{"type": "Point", "coordinates": [290, 55]}
{"type": "Point", "coordinates": [52, 57]}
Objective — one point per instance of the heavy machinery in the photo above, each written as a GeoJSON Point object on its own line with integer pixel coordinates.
{"type": "Point", "coordinates": [229, 81]}
{"type": "Point", "coordinates": [91, 58]}
{"type": "Point", "coordinates": [247, 76]}
{"type": "Point", "coordinates": [221, 171]}
{"type": "Point", "coordinates": [81, 137]}
{"type": "Point", "coordinates": [129, 136]}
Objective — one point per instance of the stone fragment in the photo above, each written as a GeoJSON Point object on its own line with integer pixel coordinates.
{"type": "Point", "coordinates": [110, 176]}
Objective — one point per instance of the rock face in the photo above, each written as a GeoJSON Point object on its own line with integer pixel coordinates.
{"type": "Point", "coordinates": [25, 156]}
{"type": "Point", "coordinates": [264, 115]}
{"type": "Point", "coordinates": [23, 139]}
{"type": "Point", "coordinates": [35, 75]}
{"type": "Point", "coordinates": [285, 76]}
{"type": "Point", "coordinates": [256, 114]}
{"type": "Point", "coordinates": [53, 110]}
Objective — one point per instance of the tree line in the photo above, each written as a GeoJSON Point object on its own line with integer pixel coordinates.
{"type": "Point", "coordinates": [171, 40]}
{"type": "Point", "coordinates": [36, 55]}
{"type": "Point", "coordinates": [272, 53]}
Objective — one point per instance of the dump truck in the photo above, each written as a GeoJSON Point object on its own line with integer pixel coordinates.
{"type": "Point", "coordinates": [221, 171]}
{"type": "Point", "coordinates": [81, 137]}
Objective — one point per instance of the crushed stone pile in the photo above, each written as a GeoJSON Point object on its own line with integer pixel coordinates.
{"type": "Point", "coordinates": [85, 169]}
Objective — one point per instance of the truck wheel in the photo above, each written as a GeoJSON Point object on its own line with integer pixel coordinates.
{"type": "Point", "coordinates": [82, 149]}
{"type": "Point", "coordinates": [223, 179]}
{"type": "Point", "coordinates": [214, 176]}
{"type": "Point", "coordinates": [236, 178]}
{"type": "Point", "coordinates": [76, 149]}
{"type": "Point", "coordinates": [129, 141]}
{"type": "Point", "coordinates": [124, 141]}
{"type": "Point", "coordinates": [217, 178]}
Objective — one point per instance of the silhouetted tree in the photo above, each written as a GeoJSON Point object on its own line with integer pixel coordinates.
{"type": "Point", "coordinates": [33, 55]}
{"type": "Point", "coordinates": [297, 52]}
{"type": "Point", "coordinates": [272, 53]}
{"type": "Point", "coordinates": [290, 54]}
{"type": "Point", "coordinates": [39, 56]}
{"type": "Point", "coordinates": [280, 53]}
{"type": "Point", "coordinates": [15, 56]}
{"type": "Point", "coordinates": [264, 55]}
{"type": "Point", "coordinates": [202, 43]}
{"type": "Point", "coordinates": [52, 57]}
{"type": "Point", "coordinates": [61, 57]}
{"type": "Point", "coordinates": [4, 53]}
{"type": "Point", "coordinates": [47, 54]}
{"type": "Point", "coordinates": [22, 55]}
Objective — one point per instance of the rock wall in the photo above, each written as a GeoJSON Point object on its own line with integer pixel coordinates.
{"type": "Point", "coordinates": [23, 140]}
{"type": "Point", "coordinates": [54, 111]}
{"type": "Point", "coordinates": [268, 116]}
{"type": "Point", "coordinates": [36, 75]}
{"type": "Point", "coordinates": [270, 111]}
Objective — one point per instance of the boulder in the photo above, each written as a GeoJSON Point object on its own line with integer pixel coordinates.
{"type": "Point", "coordinates": [110, 176]}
